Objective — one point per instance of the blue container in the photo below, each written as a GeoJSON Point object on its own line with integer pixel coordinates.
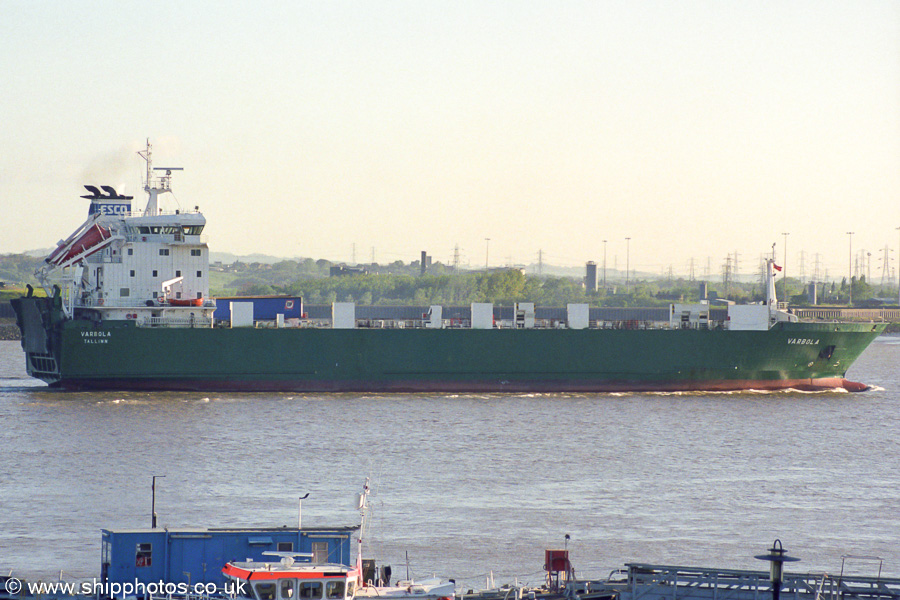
{"type": "Point", "coordinates": [265, 308]}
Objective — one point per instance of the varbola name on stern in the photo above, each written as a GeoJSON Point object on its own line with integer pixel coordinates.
{"type": "Point", "coordinates": [128, 308]}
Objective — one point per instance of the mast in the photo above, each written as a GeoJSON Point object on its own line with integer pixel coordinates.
{"type": "Point", "coordinates": [155, 185]}
{"type": "Point", "coordinates": [363, 517]}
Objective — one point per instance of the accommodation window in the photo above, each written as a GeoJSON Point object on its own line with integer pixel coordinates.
{"type": "Point", "coordinates": [320, 552]}
{"type": "Point", "coordinates": [195, 252]}
{"type": "Point", "coordinates": [163, 251]}
{"type": "Point", "coordinates": [155, 294]}
{"type": "Point", "coordinates": [177, 273]}
{"type": "Point", "coordinates": [178, 295]}
{"type": "Point", "coordinates": [199, 273]}
{"type": "Point", "coordinates": [143, 556]}
{"type": "Point", "coordinates": [199, 295]}
{"type": "Point", "coordinates": [130, 251]}
{"type": "Point", "coordinates": [156, 273]}
{"type": "Point", "coordinates": [124, 292]}
{"type": "Point", "coordinates": [285, 546]}
{"type": "Point", "coordinates": [132, 272]}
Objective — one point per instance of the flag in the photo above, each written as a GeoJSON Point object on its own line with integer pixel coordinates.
{"type": "Point", "coordinates": [777, 268]}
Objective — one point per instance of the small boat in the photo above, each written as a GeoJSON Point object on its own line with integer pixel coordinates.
{"type": "Point", "coordinates": [188, 302]}
{"type": "Point", "coordinates": [292, 580]}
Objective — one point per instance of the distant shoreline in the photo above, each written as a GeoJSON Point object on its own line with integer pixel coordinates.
{"type": "Point", "coordinates": [9, 331]}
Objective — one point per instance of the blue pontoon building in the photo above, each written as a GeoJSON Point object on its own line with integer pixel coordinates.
{"type": "Point", "coordinates": [192, 556]}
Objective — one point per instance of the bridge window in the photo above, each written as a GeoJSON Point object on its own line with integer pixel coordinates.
{"type": "Point", "coordinates": [334, 590]}
{"type": "Point", "coordinates": [286, 589]}
{"type": "Point", "coordinates": [265, 591]}
{"type": "Point", "coordinates": [310, 590]}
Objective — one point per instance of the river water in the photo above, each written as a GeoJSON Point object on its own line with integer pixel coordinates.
{"type": "Point", "coordinates": [465, 484]}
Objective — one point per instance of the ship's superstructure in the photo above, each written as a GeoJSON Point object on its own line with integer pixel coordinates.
{"type": "Point", "coordinates": [150, 265]}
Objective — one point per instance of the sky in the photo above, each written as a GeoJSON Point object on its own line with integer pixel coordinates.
{"type": "Point", "coordinates": [698, 129]}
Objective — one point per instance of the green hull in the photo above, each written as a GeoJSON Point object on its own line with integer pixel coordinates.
{"type": "Point", "coordinates": [120, 355]}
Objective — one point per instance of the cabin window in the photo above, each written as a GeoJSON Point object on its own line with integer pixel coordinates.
{"type": "Point", "coordinates": [334, 590]}
{"type": "Point", "coordinates": [196, 252]}
{"type": "Point", "coordinates": [286, 589]}
{"type": "Point", "coordinates": [282, 546]}
{"type": "Point", "coordinates": [243, 590]}
{"type": "Point", "coordinates": [156, 273]}
{"type": "Point", "coordinates": [265, 591]}
{"type": "Point", "coordinates": [132, 272]}
{"type": "Point", "coordinates": [143, 556]}
{"type": "Point", "coordinates": [311, 589]}
{"type": "Point", "coordinates": [124, 292]}
{"type": "Point", "coordinates": [163, 251]}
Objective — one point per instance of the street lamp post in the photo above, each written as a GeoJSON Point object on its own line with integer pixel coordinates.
{"type": "Point", "coordinates": [850, 269]}
{"type": "Point", "coordinates": [153, 501]}
{"type": "Point", "coordinates": [777, 556]}
{"type": "Point", "coordinates": [604, 265]}
{"type": "Point", "coordinates": [627, 260]}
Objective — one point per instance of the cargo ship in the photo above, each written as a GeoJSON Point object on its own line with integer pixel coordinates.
{"type": "Point", "coordinates": [128, 308]}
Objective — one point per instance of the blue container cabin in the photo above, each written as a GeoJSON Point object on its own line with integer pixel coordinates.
{"type": "Point", "coordinates": [265, 308]}
{"type": "Point", "coordinates": [192, 556]}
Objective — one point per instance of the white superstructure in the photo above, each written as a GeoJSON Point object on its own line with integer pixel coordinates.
{"type": "Point", "coordinates": [151, 266]}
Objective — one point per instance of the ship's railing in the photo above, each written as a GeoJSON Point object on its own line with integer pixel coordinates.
{"type": "Point", "coordinates": [142, 213]}
{"type": "Point", "coordinates": [848, 314]}
{"type": "Point", "coordinates": [631, 324]}
{"type": "Point", "coordinates": [192, 321]}
{"type": "Point", "coordinates": [98, 258]}
{"type": "Point", "coordinates": [692, 583]}
{"type": "Point", "coordinates": [133, 303]}
{"type": "Point", "coordinates": [167, 238]}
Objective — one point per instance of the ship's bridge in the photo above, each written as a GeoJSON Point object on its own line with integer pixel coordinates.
{"type": "Point", "coordinates": [178, 226]}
